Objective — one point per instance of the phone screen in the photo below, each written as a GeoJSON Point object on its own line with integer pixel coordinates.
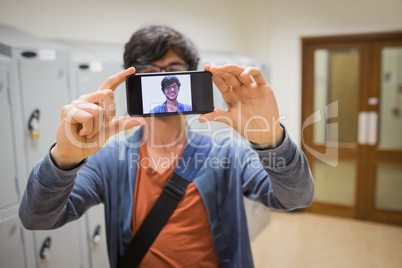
{"type": "Point", "coordinates": [169, 93]}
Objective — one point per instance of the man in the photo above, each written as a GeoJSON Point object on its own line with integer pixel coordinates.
{"type": "Point", "coordinates": [208, 228]}
{"type": "Point", "coordinates": [170, 86]}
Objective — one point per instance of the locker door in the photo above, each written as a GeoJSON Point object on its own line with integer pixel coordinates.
{"type": "Point", "coordinates": [44, 89]}
{"type": "Point", "coordinates": [11, 248]}
{"type": "Point", "coordinates": [97, 237]}
{"type": "Point", "coordinates": [58, 248]}
{"type": "Point", "coordinates": [87, 82]}
{"type": "Point", "coordinates": [8, 191]}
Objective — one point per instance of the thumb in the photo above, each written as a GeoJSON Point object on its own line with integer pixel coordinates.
{"type": "Point", "coordinates": [218, 116]}
{"type": "Point", "coordinates": [124, 123]}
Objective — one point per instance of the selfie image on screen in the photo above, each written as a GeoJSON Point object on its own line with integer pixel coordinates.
{"type": "Point", "coordinates": [166, 94]}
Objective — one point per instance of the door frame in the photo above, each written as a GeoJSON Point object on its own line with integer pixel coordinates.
{"type": "Point", "coordinates": [365, 156]}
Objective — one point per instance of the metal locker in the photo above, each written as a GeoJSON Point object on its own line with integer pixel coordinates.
{"type": "Point", "coordinates": [11, 246]}
{"type": "Point", "coordinates": [59, 248]}
{"type": "Point", "coordinates": [39, 89]}
{"type": "Point", "coordinates": [108, 51]}
{"type": "Point", "coordinates": [8, 190]}
{"type": "Point", "coordinates": [96, 232]}
{"type": "Point", "coordinates": [258, 215]}
{"type": "Point", "coordinates": [89, 70]}
{"type": "Point", "coordinates": [92, 64]}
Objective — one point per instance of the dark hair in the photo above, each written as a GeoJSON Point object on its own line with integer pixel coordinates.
{"type": "Point", "coordinates": [168, 80]}
{"type": "Point", "coordinates": [151, 43]}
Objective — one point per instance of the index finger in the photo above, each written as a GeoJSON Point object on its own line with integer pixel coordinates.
{"type": "Point", "coordinates": [238, 71]}
{"type": "Point", "coordinates": [256, 74]}
{"type": "Point", "coordinates": [115, 80]}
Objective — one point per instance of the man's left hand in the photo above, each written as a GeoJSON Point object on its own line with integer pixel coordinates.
{"type": "Point", "coordinates": [252, 108]}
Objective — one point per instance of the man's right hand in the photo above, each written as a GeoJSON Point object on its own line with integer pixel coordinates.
{"type": "Point", "coordinates": [88, 122]}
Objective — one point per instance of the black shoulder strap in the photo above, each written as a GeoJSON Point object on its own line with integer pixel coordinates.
{"type": "Point", "coordinates": [173, 191]}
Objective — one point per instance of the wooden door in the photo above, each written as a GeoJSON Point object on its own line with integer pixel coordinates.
{"type": "Point", "coordinates": [352, 126]}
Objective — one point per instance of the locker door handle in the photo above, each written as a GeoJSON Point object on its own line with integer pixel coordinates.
{"type": "Point", "coordinates": [45, 249]}
{"type": "Point", "coordinates": [33, 124]}
{"type": "Point", "coordinates": [96, 237]}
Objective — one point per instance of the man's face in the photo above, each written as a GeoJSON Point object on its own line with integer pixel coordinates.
{"type": "Point", "coordinates": [171, 91]}
{"type": "Point", "coordinates": [169, 58]}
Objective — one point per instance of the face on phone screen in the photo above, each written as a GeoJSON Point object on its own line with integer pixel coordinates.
{"type": "Point", "coordinates": [164, 94]}
{"type": "Point", "coordinates": [169, 93]}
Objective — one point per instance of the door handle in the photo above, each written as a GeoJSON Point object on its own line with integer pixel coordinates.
{"type": "Point", "coordinates": [96, 237]}
{"type": "Point", "coordinates": [362, 128]}
{"type": "Point", "coordinates": [33, 124]}
{"type": "Point", "coordinates": [45, 249]}
{"type": "Point", "coordinates": [372, 125]}
{"type": "Point", "coordinates": [367, 128]}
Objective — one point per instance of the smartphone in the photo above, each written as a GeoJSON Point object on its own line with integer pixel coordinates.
{"type": "Point", "coordinates": [161, 94]}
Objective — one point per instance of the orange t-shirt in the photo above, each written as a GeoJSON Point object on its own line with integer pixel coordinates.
{"type": "Point", "coordinates": [185, 240]}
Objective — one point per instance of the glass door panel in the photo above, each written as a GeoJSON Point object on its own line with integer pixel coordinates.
{"type": "Point", "coordinates": [388, 190]}
{"type": "Point", "coordinates": [335, 184]}
{"type": "Point", "coordinates": [387, 177]}
{"type": "Point", "coordinates": [391, 98]}
{"type": "Point", "coordinates": [336, 79]}
{"type": "Point", "coordinates": [336, 76]}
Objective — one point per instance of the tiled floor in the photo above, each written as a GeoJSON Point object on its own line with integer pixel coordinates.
{"type": "Point", "coordinates": [306, 240]}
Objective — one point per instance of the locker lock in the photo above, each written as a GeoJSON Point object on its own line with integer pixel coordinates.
{"type": "Point", "coordinates": [96, 237]}
{"type": "Point", "coordinates": [33, 124]}
{"type": "Point", "coordinates": [45, 249]}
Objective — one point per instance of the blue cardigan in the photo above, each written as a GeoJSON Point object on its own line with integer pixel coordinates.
{"type": "Point", "coordinates": [280, 178]}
